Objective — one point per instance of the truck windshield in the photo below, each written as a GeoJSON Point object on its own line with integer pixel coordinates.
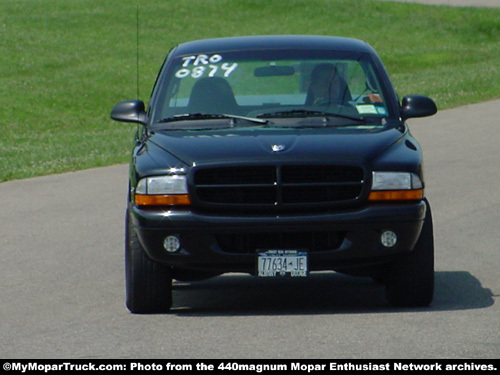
{"type": "Point", "coordinates": [270, 83]}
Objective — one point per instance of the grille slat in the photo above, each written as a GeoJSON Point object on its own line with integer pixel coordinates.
{"type": "Point", "coordinates": [239, 176]}
{"type": "Point", "coordinates": [318, 194]}
{"type": "Point", "coordinates": [250, 243]}
{"type": "Point", "coordinates": [278, 186]}
{"type": "Point", "coordinates": [238, 195]}
{"type": "Point", "coordinates": [318, 174]}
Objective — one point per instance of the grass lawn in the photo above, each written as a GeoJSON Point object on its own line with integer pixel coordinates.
{"type": "Point", "coordinates": [65, 63]}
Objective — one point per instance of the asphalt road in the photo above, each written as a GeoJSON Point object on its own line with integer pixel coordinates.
{"type": "Point", "coordinates": [462, 3]}
{"type": "Point", "coordinates": [62, 277]}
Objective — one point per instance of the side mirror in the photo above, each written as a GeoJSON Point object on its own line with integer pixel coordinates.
{"type": "Point", "coordinates": [417, 106]}
{"type": "Point", "coordinates": [130, 111]}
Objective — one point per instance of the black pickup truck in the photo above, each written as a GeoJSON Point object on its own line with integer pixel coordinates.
{"type": "Point", "coordinates": [276, 156]}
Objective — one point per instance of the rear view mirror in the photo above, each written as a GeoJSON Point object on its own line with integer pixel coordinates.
{"type": "Point", "coordinates": [273, 71]}
{"type": "Point", "coordinates": [130, 111]}
{"type": "Point", "coordinates": [417, 106]}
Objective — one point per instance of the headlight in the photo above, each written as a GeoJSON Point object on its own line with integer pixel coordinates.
{"type": "Point", "coordinates": [162, 191]}
{"type": "Point", "coordinates": [162, 185]}
{"type": "Point", "coordinates": [395, 181]}
{"type": "Point", "coordinates": [396, 186]}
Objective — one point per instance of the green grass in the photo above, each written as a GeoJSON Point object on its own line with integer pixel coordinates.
{"type": "Point", "coordinates": [64, 64]}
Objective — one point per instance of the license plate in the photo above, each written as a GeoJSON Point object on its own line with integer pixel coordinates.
{"type": "Point", "coordinates": [273, 263]}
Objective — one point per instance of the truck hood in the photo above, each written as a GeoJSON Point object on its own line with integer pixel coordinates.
{"type": "Point", "coordinates": [247, 146]}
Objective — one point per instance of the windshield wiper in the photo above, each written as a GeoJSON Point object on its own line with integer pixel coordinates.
{"type": "Point", "coordinates": [210, 116]}
{"type": "Point", "coordinates": [306, 113]}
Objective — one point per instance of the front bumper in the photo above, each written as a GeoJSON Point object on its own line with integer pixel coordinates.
{"type": "Point", "coordinates": [348, 239]}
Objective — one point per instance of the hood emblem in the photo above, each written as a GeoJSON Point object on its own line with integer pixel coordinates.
{"type": "Point", "coordinates": [277, 148]}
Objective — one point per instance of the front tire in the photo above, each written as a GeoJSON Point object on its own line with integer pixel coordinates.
{"type": "Point", "coordinates": [410, 281]}
{"type": "Point", "coordinates": [148, 284]}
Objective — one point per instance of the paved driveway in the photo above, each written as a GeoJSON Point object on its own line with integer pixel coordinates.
{"type": "Point", "coordinates": [62, 278]}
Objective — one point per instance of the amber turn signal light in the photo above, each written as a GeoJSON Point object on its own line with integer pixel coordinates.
{"type": "Point", "coordinates": [396, 195]}
{"type": "Point", "coordinates": [162, 200]}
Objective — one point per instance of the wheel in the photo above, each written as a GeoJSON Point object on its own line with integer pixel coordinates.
{"type": "Point", "coordinates": [148, 284]}
{"type": "Point", "coordinates": [410, 281]}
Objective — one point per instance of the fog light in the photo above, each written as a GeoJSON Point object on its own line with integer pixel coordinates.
{"type": "Point", "coordinates": [388, 238]}
{"type": "Point", "coordinates": [172, 244]}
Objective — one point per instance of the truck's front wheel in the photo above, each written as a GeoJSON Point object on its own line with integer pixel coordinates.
{"type": "Point", "coordinates": [148, 284]}
{"type": "Point", "coordinates": [410, 281]}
